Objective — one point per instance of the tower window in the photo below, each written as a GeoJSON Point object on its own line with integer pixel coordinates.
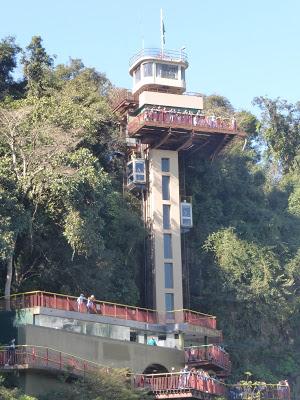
{"type": "Point", "coordinates": [169, 302]}
{"type": "Point", "coordinates": [165, 165]}
{"type": "Point", "coordinates": [168, 253]}
{"type": "Point", "coordinates": [165, 187]}
{"type": "Point", "coordinates": [148, 69]}
{"type": "Point", "coordinates": [167, 71]}
{"type": "Point", "coordinates": [169, 284]}
{"type": "Point", "coordinates": [182, 74]}
{"type": "Point", "coordinates": [137, 74]}
{"type": "Point", "coordinates": [166, 216]}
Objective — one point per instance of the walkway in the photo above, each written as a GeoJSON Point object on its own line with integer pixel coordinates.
{"type": "Point", "coordinates": [121, 311]}
{"type": "Point", "coordinates": [164, 386]}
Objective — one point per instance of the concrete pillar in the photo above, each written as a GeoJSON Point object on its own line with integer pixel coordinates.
{"type": "Point", "coordinates": [163, 200]}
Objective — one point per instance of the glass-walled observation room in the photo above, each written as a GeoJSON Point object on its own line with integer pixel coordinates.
{"type": "Point", "coordinates": [155, 70]}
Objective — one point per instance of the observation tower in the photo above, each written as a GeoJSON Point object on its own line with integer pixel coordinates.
{"type": "Point", "coordinates": [160, 122]}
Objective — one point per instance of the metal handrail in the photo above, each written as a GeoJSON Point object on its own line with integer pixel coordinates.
{"type": "Point", "coordinates": [108, 309]}
{"type": "Point", "coordinates": [156, 53]}
{"type": "Point", "coordinates": [208, 353]}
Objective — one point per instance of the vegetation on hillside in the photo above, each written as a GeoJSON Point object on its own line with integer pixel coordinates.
{"type": "Point", "coordinates": [64, 215]}
{"type": "Point", "coordinates": [113, 384]}
{"type": "Point", "coordinates": [63, 212]}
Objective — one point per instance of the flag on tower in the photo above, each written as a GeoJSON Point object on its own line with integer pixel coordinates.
{"type": "Point", "coordinates": [162, 29]}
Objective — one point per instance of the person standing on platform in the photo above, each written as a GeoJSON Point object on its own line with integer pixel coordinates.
{"type": "Point", "coordinates": [80, 302]}
{"type": "Point", "coordinates": [11, 353]}
{"type": "Point", "coordinates": [152, 342]}
{"type": "Point", "coordinates": [90, 305]}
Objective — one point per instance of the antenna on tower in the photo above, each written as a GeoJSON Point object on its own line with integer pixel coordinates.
{"type": "Point", "coordinates": [162, 32]}
{"type": "Point", "coordinates": [142, 32]}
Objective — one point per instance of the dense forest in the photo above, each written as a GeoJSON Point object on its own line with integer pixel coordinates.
{"type": "Point", "coordinates": [64, 213]}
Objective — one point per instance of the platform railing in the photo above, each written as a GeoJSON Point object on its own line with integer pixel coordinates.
{"type": "Point", "coordinates": [103, 308]}
{"type": "Point", "coordinates": [180, 383]}
{"type": "Point", "coordinates": [208, 354]}
{"type": "Point", "coordinates": [176, 383]}
{"type": "Point", "coordinates": [156, 53]}
{"type": "Point", "coordinates": [171, 118]}
{"type": "Point", "coordinates": [43, 357]}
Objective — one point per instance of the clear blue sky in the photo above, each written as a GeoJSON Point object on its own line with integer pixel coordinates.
{"type": "Point", "coordinates": [236, 48]}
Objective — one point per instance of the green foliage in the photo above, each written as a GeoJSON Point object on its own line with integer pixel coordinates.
{"type": "Point", "coordinates": [248, 123]}
{"type": "Point", "coordinates": [245, 259]}
{"type": "Point", "coordinates": [218, 105]}
{"type": "Point", "coordinates": [280, 129]}
{"type": "Point", "coordinates": [37, 66]}
{"type": "Point", "coordinates": [64, 211]}
{"type": "Point", "coordinates": [8, 62]}
{"type": "Point", "coordinates": [12, 393]}
{"type": "Point", "coordinates": [113, 384]}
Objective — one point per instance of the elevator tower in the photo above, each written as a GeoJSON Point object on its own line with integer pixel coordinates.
{"type": "Point", "coordinates": [160, 120]}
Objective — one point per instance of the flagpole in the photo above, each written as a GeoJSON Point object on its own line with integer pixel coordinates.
{"type": "Point", "coordinates": [162, 39]}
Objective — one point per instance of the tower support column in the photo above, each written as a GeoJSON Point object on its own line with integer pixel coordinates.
{"type": "Point", "coordinates": [164, 209]}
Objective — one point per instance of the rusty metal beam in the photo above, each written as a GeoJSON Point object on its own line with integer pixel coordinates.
{"type": "Point", "coordinates": [187, 143]}
{"type": "Point", "coordinates": [163, 140]}
{"type": "Point", "coordinates": [219, 147]}
{"type": "Point", "coordinates": [198, 148]}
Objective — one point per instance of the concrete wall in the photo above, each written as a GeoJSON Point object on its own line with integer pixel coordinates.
{"type": "Point", "coordinates": [108, 352]}
{"type": "Point", "coordinates": [171, 100]}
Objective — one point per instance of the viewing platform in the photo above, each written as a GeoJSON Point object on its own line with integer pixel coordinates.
{"type": "Point", "coordinates": [174, 130]}
{"type": "Point", "coordinates": [193, 385]}
{"type": "Point", "coordinates": [114, 310]}
{"type": "Point", "coordinates": [209, 356]}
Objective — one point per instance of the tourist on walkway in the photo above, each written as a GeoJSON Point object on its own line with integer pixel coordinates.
{"type": "Point", "coordinates": [184, 377]}
{"type": "Point", "coordinates": [90, 305]}
{"type": "Point", "coordinates": [152, 342]}
{"type": "Point", "coordinates": [11, 353]}
{"type": "Point", "coordinates": [80, 303]}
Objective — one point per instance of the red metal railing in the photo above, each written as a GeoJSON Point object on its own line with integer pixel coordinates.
{"type": "Point", "coordinates": [168, 118]}
{"type": "Point", "coordinates": [114, 310]}
{"type": "Point", "coordinates": [69, 303]}
{"type": "Point", "coordinates": [180, 383]}
{"type": "Point", "coordinates": [43, 357]}
{"type": "Point", "coordinates": [210, 354]}
{"type": "Point", "coordinates": [195, 318]}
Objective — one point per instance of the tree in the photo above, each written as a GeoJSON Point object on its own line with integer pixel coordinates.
{"type": "Point", "coordinates": [37, 67]}
{"type": "Point", "coordinates": [58, 148]}
{"type": "Point", "coordinates": [218, 105]}
{"type": "Point", "coordinates": [12, 393]}
{"type": "Point", "coordinates": [244, 254]}
{"type": "Point", "coordinates": [280, 129]}
{"type": "Point", "coordinates": [9, 51]}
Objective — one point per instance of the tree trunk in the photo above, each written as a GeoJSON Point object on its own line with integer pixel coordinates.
{"type": "Point", "coordinates": [9, 274]}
